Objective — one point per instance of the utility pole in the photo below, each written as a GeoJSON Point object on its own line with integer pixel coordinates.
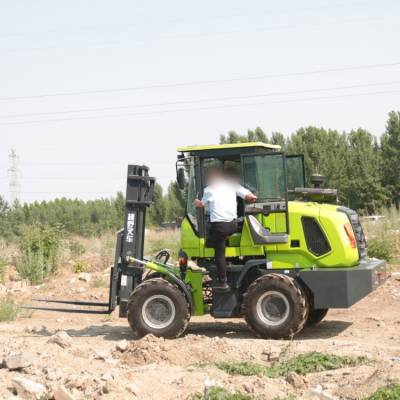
{"type": "Point", "coordinates": [13, 175]}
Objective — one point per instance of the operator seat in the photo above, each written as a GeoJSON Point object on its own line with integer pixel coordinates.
{"type": "Point", "coordinates": [261, 235]}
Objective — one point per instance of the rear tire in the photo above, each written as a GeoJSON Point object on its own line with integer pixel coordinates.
{"type": "Point", "coordinates": [316, 316]}
{"type": "Point", "coordinates": [275, 306]}
{"type": "Point", "coordinates": [158, 307]}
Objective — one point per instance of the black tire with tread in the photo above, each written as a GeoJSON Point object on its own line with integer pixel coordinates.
{"type": "Point", "coordinates": [316, 315]}
{"type": "Point", "coordinates": [149, 288]}
{"type": "Point", "coordinates": [297, 300]}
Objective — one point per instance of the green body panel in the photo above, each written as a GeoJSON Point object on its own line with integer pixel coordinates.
{"type": "Point", "coordinates": [284, 256]}
{"type": "Point", "coordinates": [195, 279]}
{"type": "Point", "coordinates": [332, 223]}
{"type": "Point", "coordinates": [190, 242]}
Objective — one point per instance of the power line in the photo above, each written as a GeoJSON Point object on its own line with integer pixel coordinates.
{"type": "Point", "coordinates": [204, 34]}
{"type": "Point", "coordinates": [207, 100]}
{"type": "Point", "coordinates": [201, 108]}
{"type": "Point", "coordinates": [178, 20]}
{"type": "Point", "coordinates": [203, 82]}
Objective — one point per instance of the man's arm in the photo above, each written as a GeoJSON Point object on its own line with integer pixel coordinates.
{"type": "Point", "coordinates": [204, 201]}
{"type": "Point", "coordinates": [245, 194]}
{"type": "Point", "coordinates": [198, 203]}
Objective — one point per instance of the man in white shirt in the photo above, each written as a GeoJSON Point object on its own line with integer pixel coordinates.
{"type": "Point", "coordinates": [220, 199]}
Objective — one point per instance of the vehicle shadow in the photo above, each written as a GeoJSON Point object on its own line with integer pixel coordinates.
{"type": "Point", "coordinates": [234, 330]}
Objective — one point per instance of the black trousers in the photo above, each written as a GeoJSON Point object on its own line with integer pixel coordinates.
{"type": "Point", "coordinates": [219, 233]}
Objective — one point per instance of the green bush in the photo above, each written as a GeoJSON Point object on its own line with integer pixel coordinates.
{"type": "Point", "coordinates": [381, 247]}
{"type": "Point", "coordinates": [391, 392]}
{"type": "Point", "coordinates": [76, 248]}
{"type": "Point", "coordinates": [40, 250]}
{"type": "Point", "coordinates": [8, 309]}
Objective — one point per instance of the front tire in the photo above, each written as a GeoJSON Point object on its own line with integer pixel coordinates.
{"type": "Point", "coordinates": [275, 306]}
{"type": "Point", "coordinates": [158, 307]}
{"type": "Point", "coordinates": [316, 315]}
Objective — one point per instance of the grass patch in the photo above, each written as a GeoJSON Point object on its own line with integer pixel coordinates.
{"type": "Point", "coordinates": [391, 392]}
{"type": "Point", "coordinates": [218, 393]}
{"type": "Point", "coordinates": [98, 282]}
{"type": "Point", "coordinates": [302, 364]}
{"type": "Point", "coordinates": [157, 240]}
{"type": "Point", "coordinates": [9, 311]}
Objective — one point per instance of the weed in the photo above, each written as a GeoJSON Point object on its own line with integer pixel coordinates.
{"type": "Point", "coordinates": [8, 309]}
{"type": "Point", "coordinates": [391, 392]}
{"type": "Point", "coordinates": [40, 249]}
{"type": "Point", "coordinates": [302, 364]}
{"type": "Point", "coordinates": [381, 247]}
{"type": "Point", "coordinates": [98, 282]}
{"type": "Point", "coordinates": [217, 393]}
{"type": "Point", "coordinates": [76, 248]}
{"type": "Point", "coordinates": [80, 266]}
{"type": "Point", "coordinates": [2, 269]}
{"type": "Point", "coordinates": [157, 240]}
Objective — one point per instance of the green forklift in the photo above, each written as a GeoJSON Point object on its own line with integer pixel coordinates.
{"type": "Point", "coordinates": [296, 252]}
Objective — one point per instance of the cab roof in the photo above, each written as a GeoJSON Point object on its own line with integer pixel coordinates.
{"type": "Point", "coordinates": [255, 145]}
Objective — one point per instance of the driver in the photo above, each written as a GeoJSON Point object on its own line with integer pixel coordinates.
{"type": "Point", "coordinates": [220, 198]}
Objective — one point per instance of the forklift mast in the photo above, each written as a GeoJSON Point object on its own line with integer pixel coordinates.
{"type": "Point", "coordinates": [125, 276]}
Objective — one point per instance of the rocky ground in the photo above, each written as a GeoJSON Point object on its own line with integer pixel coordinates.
{"type": "Point", "coordinates": [73, 356]}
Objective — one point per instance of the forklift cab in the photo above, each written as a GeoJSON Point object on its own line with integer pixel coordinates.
{"type": "Point", "coordinates": [259, 167]}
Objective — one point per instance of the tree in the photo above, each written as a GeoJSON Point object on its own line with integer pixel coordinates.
{"type": "Point", "coordinates": [176, 202]}
{"type": "Point", "coordinates": [390, 143]}
{"type": "Point", "coordinates": [157, 211]}
{"type": "Point", "coordinates": [362, 188]}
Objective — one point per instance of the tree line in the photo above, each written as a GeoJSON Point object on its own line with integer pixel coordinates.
{"type": "Point", "coordinates": [365, 170]}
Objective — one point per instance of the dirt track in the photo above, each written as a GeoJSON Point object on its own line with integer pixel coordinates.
{"type": "Point", "coordinates": [92, 367]}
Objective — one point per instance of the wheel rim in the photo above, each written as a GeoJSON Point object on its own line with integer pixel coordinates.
{"type": "Point", "coordinates": [273, 308]}
{"type": "Point", "coordinates": [158, 311]}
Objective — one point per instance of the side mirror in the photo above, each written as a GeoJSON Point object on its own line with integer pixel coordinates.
{"type": "Point", "coordinates": [180, 178]}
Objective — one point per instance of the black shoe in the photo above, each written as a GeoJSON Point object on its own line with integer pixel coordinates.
{"type": "Point", "coordinates": [221, 286]}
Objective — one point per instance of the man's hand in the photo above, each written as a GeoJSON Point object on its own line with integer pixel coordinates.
{"type": "Point", "coordinates": [251, 198]}
{"type": "Point", "coordinates": [198, 203]}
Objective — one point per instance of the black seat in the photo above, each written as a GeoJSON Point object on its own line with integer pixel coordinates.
{"type": "Point", "coordinates": [262, 235]}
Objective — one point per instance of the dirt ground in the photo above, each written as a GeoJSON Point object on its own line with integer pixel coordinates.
{"type": "Point", "coordinates": [91, 366]}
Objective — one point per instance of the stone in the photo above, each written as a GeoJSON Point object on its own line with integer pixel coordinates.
{"type": "Point", "coordinates": [63, 394]}
{"type": "Point", "coordinates": [84, 276]}
{"type": "Point", "coordinates": [101, 355]}
{"type": "Point", "coordinates": [272, 352]}
{"type": "Point", "coordinates": [122, 345]}
{"type": "Point", "coordinates": [132, 388]}
{"type": "Point", "coordinates": [211, 383]}
{"type": "Point", "coordinates": [105, 388]}
{"type": "Point", "coordinates": [320, 394]}
{"type": "Point", "coordinates": [62, 339]}
{"type": "Point", "coordinates": [296, 380]}
{"type": "Point", "coordinates": [28, 389]}
{"type": "Point", "coordinates": [18, 361]}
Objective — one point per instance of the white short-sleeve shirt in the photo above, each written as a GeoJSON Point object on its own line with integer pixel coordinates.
{"type": "Point", "coordinates": [220, 199]}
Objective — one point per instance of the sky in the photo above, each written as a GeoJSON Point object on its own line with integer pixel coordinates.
{"type": "Point", "coordinates": [87, 88]}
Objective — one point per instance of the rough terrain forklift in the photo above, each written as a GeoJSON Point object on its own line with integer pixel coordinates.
{"type": "Point", "coordinates": [296, 252]}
